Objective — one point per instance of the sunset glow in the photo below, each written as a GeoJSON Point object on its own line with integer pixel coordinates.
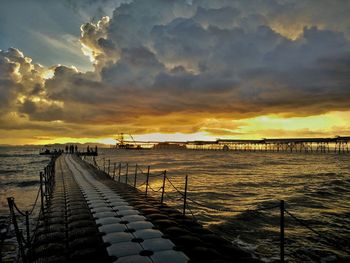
{"type": "Point", "coordinates": [177, 71]}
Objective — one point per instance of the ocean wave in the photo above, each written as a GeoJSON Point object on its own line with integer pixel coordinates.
{"type": "Point", "coordinates": [25, 155]}
{"type": "Point", "coordinates": [44, 162]}
{"type": "Point", "coordinates": [5, 171]}
{"type": "Point", "coordinates": [22, 184]}
{"type": "Point", "coordinates": [211, 195]}
{"type": "Point", "coordinates": [272, 162]}
{"type": "Point", "coordinates": [238, 166]}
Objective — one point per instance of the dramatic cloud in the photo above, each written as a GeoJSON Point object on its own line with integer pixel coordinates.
{"type": "Point", "coordinates": [169, 66]}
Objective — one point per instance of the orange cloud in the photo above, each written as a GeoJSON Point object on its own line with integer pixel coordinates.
{"type": "Point", "coordinates": [214, 69]}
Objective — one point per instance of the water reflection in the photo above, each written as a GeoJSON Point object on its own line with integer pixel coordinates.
{"type": "Point", "coordinates": [311, 185]}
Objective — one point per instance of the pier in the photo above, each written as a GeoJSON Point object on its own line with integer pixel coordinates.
{"type": "Point", "coordinates": [86, 216]}
{"type": "Point", "coordinates": [337, 144]}
{"type": "Point", "coordinates": [307, 145]}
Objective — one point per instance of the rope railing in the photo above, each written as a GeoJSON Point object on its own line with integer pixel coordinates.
{"type": "Point", "coordinates": [192, 214]}
{"type": "Point", "coordinates": [139, 186]}
{"type": "Point", "coordinates": [155, 191]}
{"type": "Point", "coordinates": [35, 202]}
{"type": "Point", "coordinates": [156, 174]}
{"type": "Point", "coordinates": [140, 170]}
{"type": "Point", "coordinates": [327, 240]}
{"type": "Point", "coordinates": [232, 210]}
{"type": "Point", "coordinates": [177, 190]}
{"type": "Point", "coordinates": [25, 240]}
{"type": "Point", "coordinates": [187, 207]}
{"type": "Point", "coordinates": [174, 198]}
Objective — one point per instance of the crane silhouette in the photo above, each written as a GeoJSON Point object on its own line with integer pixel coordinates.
{"type": "Point", "coordinates": [121, 142]}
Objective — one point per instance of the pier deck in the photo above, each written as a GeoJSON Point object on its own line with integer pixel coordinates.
{"type": "Point", "coordinates": [91, 218]}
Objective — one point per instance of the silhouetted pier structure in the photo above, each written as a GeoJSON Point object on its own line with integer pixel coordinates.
{"type": "Point", "coordinates": [320, 145]}
{"type": "Point", "coordinates": [71, 149]}
{"type": "Point", "coordinates": [338, 144]}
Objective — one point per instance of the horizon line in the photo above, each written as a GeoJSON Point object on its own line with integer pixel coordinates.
{"type": "Point", "coordinates": [171, 141]}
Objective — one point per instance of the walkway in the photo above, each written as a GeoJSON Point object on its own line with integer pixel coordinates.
{"type": "Point", "coordinates": [131, 236]}
{"type": "Point", "coordinates": [91, 218]}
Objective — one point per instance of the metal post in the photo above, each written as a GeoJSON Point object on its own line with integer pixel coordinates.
{"type": "Point", "coordinates": [163, 188]}
{"type": "Point", "coordinates": [10, 202]}
{"type": "Point", "coordinates": [27, 228]}
{"type": "Point", "coordinates": [45, 182]}
{"type": "Point", "coordinates": [185, 196]}
{"type": "Point", "coordinates": [104, 164]}
{"type": "Point", "coordinates": [49, 180]}
{"type": "Point", "coordinates": [41, 192]}
{"type": "Point", "coordinates": [119, 172]}
{"type": "Point", "coordinates": [114, 167]}
{"type": "Point", "coordinates": [94, 161]}
{"type": "Point", "coordinates": [109, 165]}
{"type": "Point", "coordinates": [126, 174]}
{"type": "Point", "coordinates": [135, 178]}
{"type": "Point", "coordinates": [282, 241]}
{"type": "Point", "coordinates": [147, 179]}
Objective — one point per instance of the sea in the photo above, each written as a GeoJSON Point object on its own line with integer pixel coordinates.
{"type": "Point", "coordinates": [235, 194]}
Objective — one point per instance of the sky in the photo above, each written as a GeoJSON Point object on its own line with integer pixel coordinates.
{"type": "Point", "coordinates": [87, 70]}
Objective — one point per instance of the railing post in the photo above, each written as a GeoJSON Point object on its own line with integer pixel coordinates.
{"type": "Point", "coordinates": [282, 241]}
{"type": "Point", "coordinates": [147, 179]}
{"type": "Point", "coordinates": [114, 167]}
{"type": "Point", "coordinates": [126, 174]}
{"type": "Point", "coordinates": [104, 164]}
{"type": "Point", "coordinates": [42, 192]}
{"type": "Point", "coordinates": [109, 165]}
{"type": "Point", "coordinates": [27, 228]}
{"type": "Point", "coordinates": [163, 188]}
{"type": "Point", "coordinates": [185, 196]}
{"type": "Point", "coordinates": [135, 178]}
{"type": "Point", "coordinates": [45, 183]}
{"type": "Point", "coordinates": [49, 181]}
{"type": "Point", "coordinates": [10, 202]}
{"type": "Point", "coordinates": [119, 172]}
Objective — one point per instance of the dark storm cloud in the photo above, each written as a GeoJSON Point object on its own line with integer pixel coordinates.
{"type": "Point", "coordinates": [168, 56]}
{"type": "Point", "coordinates": [258, 70]}
{"type": "Point", "coordinates": [155, 59]}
